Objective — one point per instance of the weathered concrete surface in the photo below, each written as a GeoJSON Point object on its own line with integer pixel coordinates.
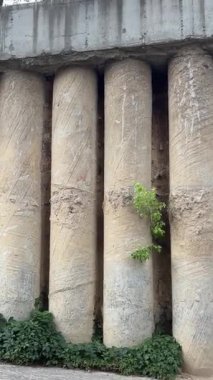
{"type": "Point", "coordinates": [21, 126]}
{"type": "Point", "coordinates": [191, 185]}
{"type": "Point", "coordinates": [73, 203]}
{"type": "Point", "coordinates": [128, 284]}
{"type": "Point", "coordinates": [70, 29]}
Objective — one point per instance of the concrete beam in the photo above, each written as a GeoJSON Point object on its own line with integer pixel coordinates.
{"type": "Point", "coordinates": [57, 32]}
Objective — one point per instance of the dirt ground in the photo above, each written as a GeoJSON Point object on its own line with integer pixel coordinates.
{"type": "Point", "coordinates": [10, 372]}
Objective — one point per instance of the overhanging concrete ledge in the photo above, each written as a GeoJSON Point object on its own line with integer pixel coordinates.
{"type": "Point", "coordinates": [55, 32]}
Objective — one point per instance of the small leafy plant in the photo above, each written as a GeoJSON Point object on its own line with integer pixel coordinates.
{"type": "Point", "coordinates": [37, 341]}
{"type": "Point", "coordinates": [34, 341]}
{"type": "Point", "coordinates": [147, 205]}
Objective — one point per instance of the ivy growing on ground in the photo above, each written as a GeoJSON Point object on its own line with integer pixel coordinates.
{"type": "Point", "coordinates": [36, 341]}
{"type": "Point", "coordinates": [148, 206]}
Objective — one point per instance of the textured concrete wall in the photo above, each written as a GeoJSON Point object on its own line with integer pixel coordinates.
{"type": "Point", "coordinates": [73, 203]}
{"type": "Point", "coordinates": [128, 284]}
{"type": "Point", "coordinates": [191, 185]}
{"type": "Point", "coordinates": [70, 27]}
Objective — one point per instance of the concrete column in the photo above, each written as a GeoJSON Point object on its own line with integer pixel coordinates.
{"type": "Point", "coordinates": [128, 284]}
{"type": "Point", "coordinates": [191, 186]}
{"type": "Point", "coordinates": [73, 203]}
{"type": "Point", "coordinates": [21, 123]}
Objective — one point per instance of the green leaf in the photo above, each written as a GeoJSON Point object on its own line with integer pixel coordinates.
{"type": "Point", "coordinates": [147, 205]}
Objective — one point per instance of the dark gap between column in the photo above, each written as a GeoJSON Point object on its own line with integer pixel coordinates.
{"type": "Point", "coordinates": [45, 193]}
{"type": "Point", "coordinates": [98, 330]}
{"type": "Point", "coordinates": [160, 180]}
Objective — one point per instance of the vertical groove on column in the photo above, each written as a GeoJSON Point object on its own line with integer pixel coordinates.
{"type": "Point", "coordinates": [191, 203]}
{"type": "Point", "coordinates": [128, 284]}
{"type": "Point", "coordinates": [73, 203]}
{"type": "Point", "coordinates": [21, 124]}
